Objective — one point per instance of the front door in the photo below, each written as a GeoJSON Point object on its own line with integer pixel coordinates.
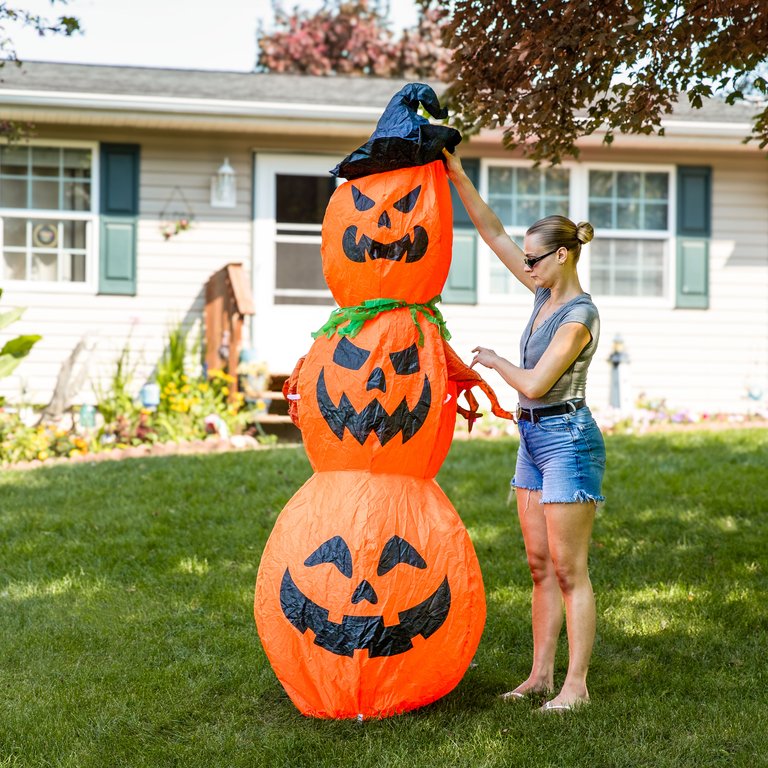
{"type": "Point", "coordinates": [290, 293]}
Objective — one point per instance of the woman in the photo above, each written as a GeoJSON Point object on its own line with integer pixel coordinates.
{"type": "Point", "coordinates": [561, 459]}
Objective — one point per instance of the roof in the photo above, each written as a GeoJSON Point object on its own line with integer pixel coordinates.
{"type": "Point", "coordinates": [251, 101]}
{"type": "Point", "coordinates": [199, 84]}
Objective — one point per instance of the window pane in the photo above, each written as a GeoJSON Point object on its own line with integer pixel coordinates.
{"type": "Point", "coordinates": [500, 180]}
{"type": "Point", "coordinates": [44, 266]}
{"type": "Point", "coordinates": [14, 161]}
{"type": "Point", "coordinates": [656, 186]}
{"type": "Point", "coordinates": [73, 234]}
{"type": "Point", "coordinates": [628, 184]}
{"type": "Point", "coordinates": [626, 284]}
{"type": "Point", "coordinates": [655, 216]}
{"type": "Point", "coordinates": [528, 182]}
{"type": "Point", "coordinates": [77, 196]}
{"type": "Point", "coordinates": [299, 265]}
{"type": "Point", "coordinates": [600, 281]}
{"type": "Point", "coordinates": [556, 183]}
{"type": "Point", "coordinates": [302, 199]}
{"type": "Point", "coordinates": [45, 194]}
{"type": "Point", "coordinates": [502, 207]}
{"type": "Point", "coordinates": [627, 216]}
{"type": "Point", "coordinates": [526, 212]}
{"type": "Point", "coordinates": [600, 184]}
{"type": "Point", "coordinates": [652, 284]}
{"type": "Point", "coordinates": [74, 268]}
{"type": "Point", "coordinates": [14, 232]}
{"type": "Point", "coordinates": [556, 207]}
{"type": "Point", "coordinates": [45, 161]}
{"type": "Point", "coordinates": [77, 163]}
{"type": "Point", "coordinates": [13, 193]}
{"type": "Point", "coordinates": [601, 215]}
{"type": "Point", "coordinates": [499, 280]}
{"type": "Point", "coordinates": [14, 266]}
{"type": "Point", "coordinates": [45, 234]}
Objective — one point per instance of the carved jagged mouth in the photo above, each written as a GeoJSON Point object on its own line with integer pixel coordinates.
{"type": "Point", "coordinates": [412, 248]}
{"type": "Point", "coordinates": [356, 633]}
{"type": "Point", "coordinates": [374, 417]}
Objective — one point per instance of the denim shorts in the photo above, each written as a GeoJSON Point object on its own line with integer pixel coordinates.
{"type": "Point", "coordinates": [563, 457]}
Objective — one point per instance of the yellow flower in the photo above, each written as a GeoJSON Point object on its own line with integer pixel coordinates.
{"type": "Point", "coordinates": [225, 390]}
{"type": "Point", "coordinates": [42, 455]}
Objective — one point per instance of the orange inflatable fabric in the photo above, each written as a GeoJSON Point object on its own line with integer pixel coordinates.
{"type": "Point", "coordinates": [389, 235]}
{"type": "Point", "coordinates": [380, 401]}
{"type": "Point", "coordinates": [369, 599]}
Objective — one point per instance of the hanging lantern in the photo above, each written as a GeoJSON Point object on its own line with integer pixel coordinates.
{"type": "Point", "coordinates": [224, 187]}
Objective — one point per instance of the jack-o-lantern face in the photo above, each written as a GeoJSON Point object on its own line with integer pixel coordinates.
{"type": "Point", "coordinates": [357, 633]}
{"type": "Point", "coordinates": [389, 235]}
{"type": "Point", "coordinates": [378, 401]}
{"type": "Point", "coordinates": [369, 598]}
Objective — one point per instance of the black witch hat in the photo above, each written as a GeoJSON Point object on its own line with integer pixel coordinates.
{"type": "Point", "coordinates": [403, 138]}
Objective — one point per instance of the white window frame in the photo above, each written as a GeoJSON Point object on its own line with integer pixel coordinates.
{"type": "Point", "coordinates": [485, 257]}
{"type": "Point", "coordinates": [90, 286]}
{"type": "Point", "coordinates": [579, 211]}
{"type": "Point", "coordinates": [667, 299]}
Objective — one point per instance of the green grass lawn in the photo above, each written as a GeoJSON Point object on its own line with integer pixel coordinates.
{"type": "Point", "coordinates": [127, 636]}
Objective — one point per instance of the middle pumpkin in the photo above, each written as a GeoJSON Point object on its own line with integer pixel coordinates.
{"type": "Point", "coordinates": [380, 401]}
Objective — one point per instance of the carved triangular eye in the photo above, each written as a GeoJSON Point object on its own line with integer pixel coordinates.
{"type": "Point", "coordinates": [362, 202]}
{"type": "Point", "coordinates": [334, 551]}
{"type": "Point", "coordinates": [405, 204]}
{"type": "Point", "coordinates": [349, 356]}
{"type": "Point", "coordinates": [396, 551]}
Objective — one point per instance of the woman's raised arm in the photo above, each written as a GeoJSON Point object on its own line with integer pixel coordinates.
{"type": "Point", "coordinates": [487, 222]}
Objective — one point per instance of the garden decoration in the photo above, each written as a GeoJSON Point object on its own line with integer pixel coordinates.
{"type": "Point", "coordinates": [369, 598]}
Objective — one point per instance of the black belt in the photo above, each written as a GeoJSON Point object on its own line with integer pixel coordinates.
{"type": "Point", "coordinates": [558, 409]}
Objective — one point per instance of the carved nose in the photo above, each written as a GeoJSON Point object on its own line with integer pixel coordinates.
{"type": "Point", "coordinates": [384, 220]}
{"type": "Point", "coordinates": [376, 380]}
{"type": "Point", "coordinates": [365, 591]}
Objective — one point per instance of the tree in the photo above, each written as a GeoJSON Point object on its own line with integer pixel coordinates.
{"type": "Point", "coordinates": [551, 71]}
{"type": "Point", "coordinates": [17, 18]}
{"type": "Point", "coordinates": [352, 38]}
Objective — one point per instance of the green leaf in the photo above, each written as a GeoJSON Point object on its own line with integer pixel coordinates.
{"type": "Point", "coordinates": [20, 346]}
{"type": "Point", "coordinates": [11, 317]}
{"type": "Point", "coordinates": [7, 365]}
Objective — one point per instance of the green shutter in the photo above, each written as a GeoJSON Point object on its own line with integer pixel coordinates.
{"type": "Point", "coordinates": [119, 218]}
{"type": "Point", "coordinates": [461, 286]}
{"type": "Point", "coordinates": [694, 228]}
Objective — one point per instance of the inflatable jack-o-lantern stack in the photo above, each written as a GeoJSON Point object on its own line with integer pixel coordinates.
{"type": "Point", "coordinates": [369, 598]}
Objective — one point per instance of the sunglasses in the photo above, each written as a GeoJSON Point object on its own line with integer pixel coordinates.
{"type": "Point", "coordinates": [531, 261]}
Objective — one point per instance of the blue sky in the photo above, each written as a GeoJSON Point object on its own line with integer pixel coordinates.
{"type": "Point", "coordinates": [164, 33]}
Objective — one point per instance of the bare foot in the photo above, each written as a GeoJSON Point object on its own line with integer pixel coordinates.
{"type": "Point", "coordinates": [529, 687]}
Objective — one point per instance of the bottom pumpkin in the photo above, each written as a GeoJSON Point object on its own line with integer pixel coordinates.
{"type": "Point", "coordinates": [369, 597]}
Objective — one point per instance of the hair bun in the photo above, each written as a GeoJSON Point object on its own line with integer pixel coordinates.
{"type": "Point", "coordinates": [584, 232]}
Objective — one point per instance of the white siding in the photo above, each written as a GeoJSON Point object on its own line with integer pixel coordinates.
{"type": "Point", "coordinates": [171, 274]}
{"type": "Point", "coordinates": [700, 360]}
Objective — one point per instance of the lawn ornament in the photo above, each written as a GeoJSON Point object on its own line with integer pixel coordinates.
{"type": "Point", "coordinates": [369, 598]}
{"type": "Point", "coordinates": [389, 235]}
{"type": "Point", "coordinates": [380, 401]}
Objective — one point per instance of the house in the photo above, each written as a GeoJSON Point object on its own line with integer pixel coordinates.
{"type": "Point", "coordinates": [110, 226]}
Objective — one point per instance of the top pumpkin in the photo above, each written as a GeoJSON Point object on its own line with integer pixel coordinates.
{"type": "Point", "coordinates": [389, 235]}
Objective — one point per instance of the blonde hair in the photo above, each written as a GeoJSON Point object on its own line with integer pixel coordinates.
{"type": "Point", "coordinates": [554, 231]}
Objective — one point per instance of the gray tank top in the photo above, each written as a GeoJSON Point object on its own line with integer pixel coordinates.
{"type": "Point", "coordinates": [572, 384]}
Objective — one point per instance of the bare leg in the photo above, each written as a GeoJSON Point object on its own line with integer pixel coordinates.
{"type": "Point", "coordinates": [569, 529]}
{"type": "Point", "coordinates": [546, 604]}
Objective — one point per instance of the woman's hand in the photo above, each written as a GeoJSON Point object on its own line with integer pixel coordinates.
{"type": "Point", "coordinates": [484, 356]}
{"type": "Point", "coordinates": [452, 165]}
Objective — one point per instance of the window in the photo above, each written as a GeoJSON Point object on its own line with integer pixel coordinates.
{"type": "Point", "coordinates": [46, 210]}
{"type": "Point", "coordinates": [300, 203]}
{"type": "Point", "coordinates": [519, 196]}
{"type": "Point", "coordinates": [630, 255]}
